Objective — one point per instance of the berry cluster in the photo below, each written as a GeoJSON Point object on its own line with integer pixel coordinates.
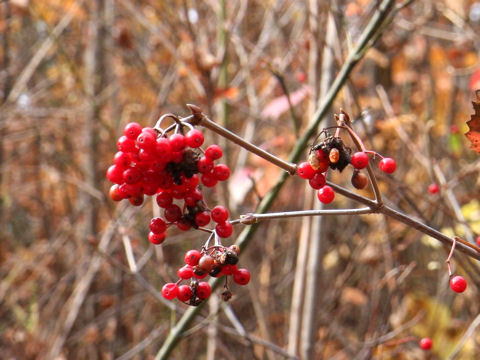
{"type": "Point", "coordinates": [332, 153]}
{"type": "Point", "coordinates": [149, 162]}
{"type": "Point", "coordinates": [215, 261]}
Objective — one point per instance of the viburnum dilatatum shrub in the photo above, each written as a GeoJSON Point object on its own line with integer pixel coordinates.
{"type": "Point", "coordinates": [174, 166]}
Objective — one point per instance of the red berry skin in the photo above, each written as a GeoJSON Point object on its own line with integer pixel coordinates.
{"type": "Point", "coordinates": [326, 194]}
{"type": "Point", "coordinates": [158, 225]}
{"type": "Point", "coordinates": [224, 230]}
{"type": "Point", "coordinates": [458, 284]}
{"type": "Point", "coordinates": [241, 276]}
{"type": "Point", "coordinates": [478, 240]}
{"type": "Point", "coordinates": [387, 165]}
{"type": "Point", "coordinates": [172, 213]}
{"type": "Point", "coordinates": [318, 181]}
{"type": "Point", "coordinates": [209, 180]}
{"type": "Point", "coordinates": [114, 193]}
{"type": "Point", "coordinates": [156, 239]}
{"type": "Point", "coordinates": [221, 172]}
{"type": "Point", "coordinates": [184, 224]}
{"type": "Point", "coordinates": [205, 165]}
{"type": "Point", "coordinates": [185, 272]}
{"type": "Point", "coordinates": [146, 141]}
{"type": "Point", "coordinates": [136, 200]}
{"type": "Point", "coordinates": [115, 174]}
{"type": "Point", "coordinates": [194, 138]}
{"type": "Point", "coordinates": [132, 175]}
{"type": "Point", "coordinates": [163, 149]}
{"type": "Point", "coordinates": [126, 145]}
{"type": "Point", "coordinates": [164, 199]}
{"type": "Point", "coordinates": [184, 293]}
{"type": "Point", "coordinates": [122, 159]}
{"type": "Point", "coordinates": [203, 290]}
{"type": "Point", "coordinates": [305, 171]}
{"type": "Point", "coordinates": [359, 160]}
{"type": "Point", "coordinates": [229, 269]}
{"type": "Point", "coordinates": [220, 214]}
{"type": "Point", "coordinates": [132, 130]}
{"type": "Point", "coordinates": [192, 197]}
{"type": "Point", "coordinates": [192, 257]}
{"type": "Point", "coordinates": [202, 218]}
{"type": "Point", "coordinates": [177, 141]}
{"type": "Point", "coordinates": [214, 152]}
{"type": "Point", "coordinates": [426, 343]}
{"type": "Point", "coordinates": [170, 291]}
{"type": "Point", "coordinates": [433, 188]}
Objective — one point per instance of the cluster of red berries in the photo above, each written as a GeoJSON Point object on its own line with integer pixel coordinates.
{"type": "Point", "coordinates": [215, 261]}
{"type": "Point", "coordinates": [332, 153]}
{"type": "Point", "coordinates": [149, 162]}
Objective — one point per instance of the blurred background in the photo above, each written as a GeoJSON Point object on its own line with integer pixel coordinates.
{"type": "Point", "coordinates": [74, 72]}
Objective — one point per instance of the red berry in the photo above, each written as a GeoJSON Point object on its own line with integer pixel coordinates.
{"type": "Point", "coordinates": [359, 160]}
{"type": "Point", "coordinates": [478, 240]}
{"type": "Point", "coordinates": [191, 183]}
{"type": "Point", "coordinates": [387, 165]}
{"type": "Point", "coordinates": [114, 193]}
{"type": "Point", "coordinates": [163, 149]}
{"type": "Point", "coordinates": [164, 198]}
{"type": "Point", "coordinates": [194, 138]}
{"type": "Point", "coordinates": [318, 181]}
{"type": "Point", "coordinates": [202, 218]}
{"type": "Point", "coordinates": [224, 230]}
{"type": "Point", "coordinates": [122, 159]}
{"type": "Point", "coordinates": [219, 214]}
{"type": "Point", "coordinates": [241, 276]}
{"type": "Point", "coordinates": [156, 238]}
{"type": "Point", "coordinates": [132, 130]}
{"type": "Point", "coordinates": [172, 213]}
{"type": "Point", "coordinates": [158, 225]}
{"type": "Point", "coordinates": [146, 141]}
{"type": "Point", "coordinates": [132, 175]}
{"type": "Point", "coordinates": [170, 291]}
{"type": "Point", "coordinates": [426, 343]}
{"type": "Point", "coordinates": [458, 284]}
{"type": "Point", "coordinates": [184, 293]}
{"type": "Point", "coordinates": [192, 257]}
{"type": "Point", "coordinates": [185, 272]}
{"type": "Point", "coordinates": [183, 224]}
{"type": "Point", "coordinates": [301, 77]}
{"type": "Point", "coordinates": [115, 174]}
{"type": "Point", "coordinates": [205, 165]}
{"type": "Point", "coordinates": [203, 290]}
{"type": "Point", "coordinates": [229, 269]}
{"type": "Point", "coordinates": [192, 197]}
{"type": "Point", "coordinates": [433, 188]}
{"type": "Point", "coordinates": [326, 194]}
{"type": "Point", "coordinates": [221, 172]}
{"type": "Point", "coordinates": [177, 141]}
{"type": "Point", "coordinates": [305, 171]}
{"type": "Point", "coordinates": [136, 200]}
{"type": "Point", "coordinates": [214, 152]}
{"type": "Point", "coordinates": [126, 145]}
{"type": "Point", "coordinates": [209, 180]}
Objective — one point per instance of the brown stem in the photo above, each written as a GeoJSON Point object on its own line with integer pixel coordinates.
{"type": "Point", "coordinates": [201, 119]}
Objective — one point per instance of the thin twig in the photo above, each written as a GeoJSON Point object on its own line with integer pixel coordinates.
{"type": "Point", "coordinates": [203, 120]}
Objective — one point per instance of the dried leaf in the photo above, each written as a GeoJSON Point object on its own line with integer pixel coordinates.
{"type": "Point", "coordinates": [474, 126]}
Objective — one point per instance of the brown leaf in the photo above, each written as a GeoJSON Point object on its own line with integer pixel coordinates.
{"type": "Point", "coordinates": [474, 126]}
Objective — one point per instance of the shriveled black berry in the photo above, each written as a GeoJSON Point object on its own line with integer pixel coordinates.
{"type": "Point", "coordinates": [215, 271]}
